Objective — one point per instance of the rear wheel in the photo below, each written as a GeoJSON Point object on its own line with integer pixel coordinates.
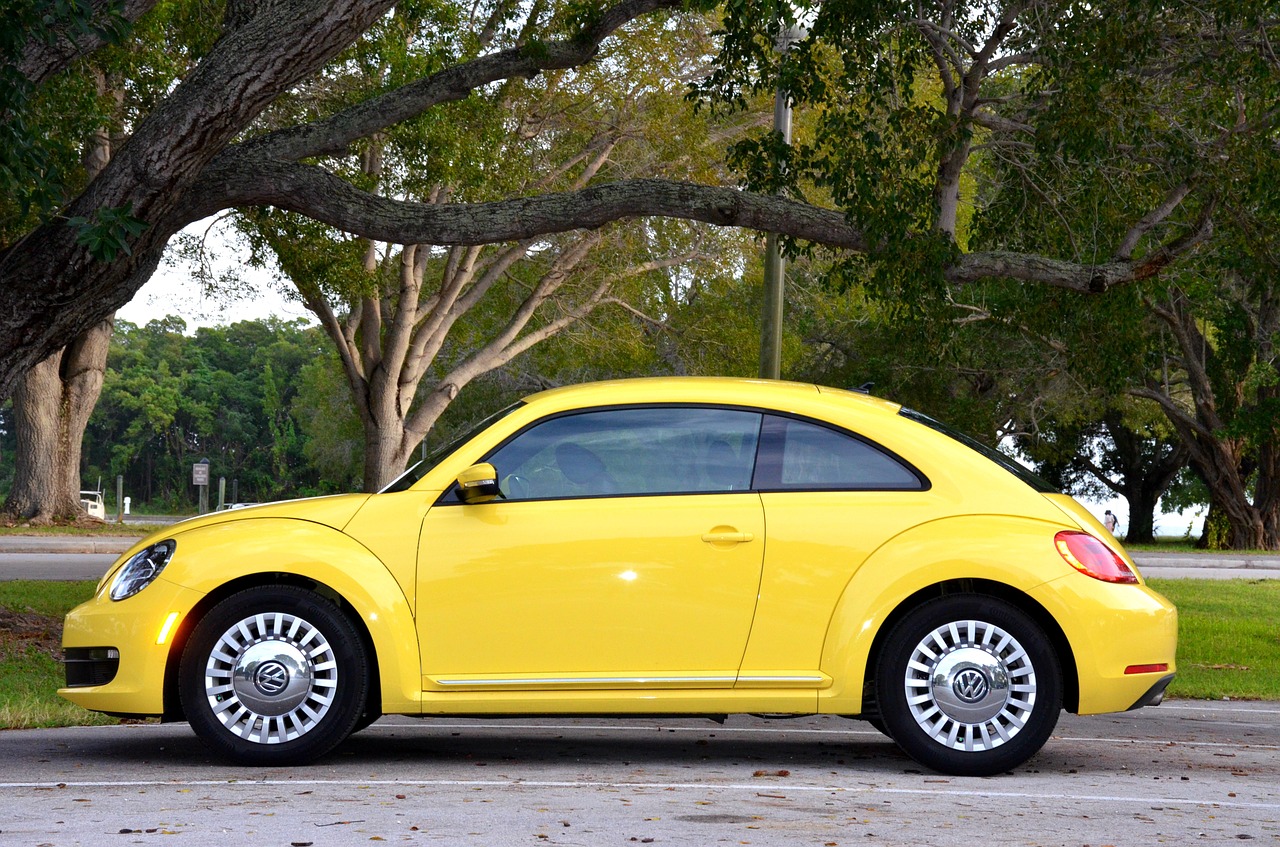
{"type": "Point", "coordinates": [969, 685]}
{"type": "Point", "coordinates": [274, 676]}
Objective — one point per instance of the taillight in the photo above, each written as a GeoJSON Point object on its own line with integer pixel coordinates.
{"type": "Point", "coordinates": [1093, 558]}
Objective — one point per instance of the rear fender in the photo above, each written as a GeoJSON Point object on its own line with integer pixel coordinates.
{"type": "Point", "coordinates": [1016, 553]}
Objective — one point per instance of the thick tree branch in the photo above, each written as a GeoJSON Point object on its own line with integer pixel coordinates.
{"type": "Point", "coordinates": [1171, 201]}
{"type": "Point", "coordinates": [320, 195]}
{"type": "Point", "coordinates": [41, 58]}
{"type": "Point", "coordinates": [331, 136]}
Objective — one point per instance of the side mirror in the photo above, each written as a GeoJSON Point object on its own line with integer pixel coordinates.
{"type": "Point", "coordinates": [478, 484]}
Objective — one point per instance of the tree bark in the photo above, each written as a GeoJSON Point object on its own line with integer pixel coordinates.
{"type": "Point", "coordinates": [51, 409]}
{"type": "Point", "coordinates": [55, 399]}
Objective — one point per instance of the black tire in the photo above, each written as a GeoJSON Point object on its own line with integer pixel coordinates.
{"type": "Point", "coordinates": [274, 676]}
{"type": "Point", "coordinates": [969, 685]}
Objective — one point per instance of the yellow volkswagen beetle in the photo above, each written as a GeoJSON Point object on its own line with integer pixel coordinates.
{"type": "Point", "coordinates": [663, 546]}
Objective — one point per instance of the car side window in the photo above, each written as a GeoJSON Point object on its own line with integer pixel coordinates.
{"type": "Point", "coordinates": [801, 455]}
{"type": "Point", "coordinates": [631, 451]}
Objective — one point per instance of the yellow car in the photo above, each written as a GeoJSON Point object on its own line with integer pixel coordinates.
{"type": "Point", "coordinates": [663, 546]}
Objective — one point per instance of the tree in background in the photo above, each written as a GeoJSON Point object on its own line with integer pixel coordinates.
{"type": "Point", "coordinates": [53, 400]}
{"type": "Point", "coordinates": [1172, 111]}
{"type": "Point", "coordinates": [414, 325]}
{"type": "Point", "coordinates": [92, 111]}
{"type": "Point", "coordinates": [1112, 147]}
{"type": "Point", "coordinates": [226, 394]}
{"type": "Point", "coordinates": [203, 149]}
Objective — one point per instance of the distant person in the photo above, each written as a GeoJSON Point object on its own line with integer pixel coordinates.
{"type": "Point", "coordinates": [1110, 522]}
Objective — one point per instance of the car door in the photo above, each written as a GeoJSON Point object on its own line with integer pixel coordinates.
{"type": "Point", "coordinates": [831, 498]}
{"type": "Point", "coordinates": [626, 552]}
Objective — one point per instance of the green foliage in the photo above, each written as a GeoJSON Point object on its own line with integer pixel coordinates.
{"type": "Point", "coordinates": [327, 426]}
{"type": "Point", "coordinates": [107, 232]}
{"type": "Point", "coordinates": [228, 394]}
{"type": "Point", "coordinates": [44, 131]}
{"type": "Point", "coordinates": [35, 149]}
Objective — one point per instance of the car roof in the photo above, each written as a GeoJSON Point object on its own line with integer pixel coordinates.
{"type": "Point", "coordinates": [701, 389]}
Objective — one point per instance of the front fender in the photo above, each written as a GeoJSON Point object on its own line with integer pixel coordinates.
{"type": "Point", "coordinates": [1016, 552]}
{"type": "Point", "coordinates": [209, 557]}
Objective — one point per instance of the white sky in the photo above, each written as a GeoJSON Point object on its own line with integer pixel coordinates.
{"type": "Point", "coordinates": [175, 290]}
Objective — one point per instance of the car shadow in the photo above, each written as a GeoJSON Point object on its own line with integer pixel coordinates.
{"type": "Point", "coordinates": [603, 745]}
{"type": "Point", "coordinates": [501, 745]}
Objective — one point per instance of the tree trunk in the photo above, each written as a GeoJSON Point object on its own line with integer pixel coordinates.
{"type": "Point", "coordinates": [54, 400]}
{"type": "Point", "coordinates": [51, 407]}
{"type": "Point", "coordinates": [385, 456]}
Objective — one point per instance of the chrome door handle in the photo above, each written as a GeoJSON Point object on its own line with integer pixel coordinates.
{"type": "Point", "coordinates": [726, 537]}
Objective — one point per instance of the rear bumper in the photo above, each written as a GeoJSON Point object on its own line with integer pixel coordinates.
{"type": "Point", "coordinates": [1111, 629]}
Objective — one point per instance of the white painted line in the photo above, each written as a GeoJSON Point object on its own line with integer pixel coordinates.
{"type": "Point", "coordinates": [1214, 706]}
{"type": "Point", "coordinates": [1056, 797]}
{"type": "Point", "coordinates": [763, 730]}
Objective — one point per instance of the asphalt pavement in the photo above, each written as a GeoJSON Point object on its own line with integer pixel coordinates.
{"type": "Point", "coordinates": [1184, 773]}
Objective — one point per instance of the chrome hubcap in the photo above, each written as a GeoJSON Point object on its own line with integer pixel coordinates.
{"type": "Point", "coordinates": [970, 685]}
{"type": "Point", "coordinates": [271, 678]}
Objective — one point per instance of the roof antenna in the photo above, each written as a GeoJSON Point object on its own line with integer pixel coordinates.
{"type": "Point", "coordinates": [865, 388]}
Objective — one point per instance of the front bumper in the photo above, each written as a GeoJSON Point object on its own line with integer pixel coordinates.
{"type": "Point", "coordinates": [135, 629]}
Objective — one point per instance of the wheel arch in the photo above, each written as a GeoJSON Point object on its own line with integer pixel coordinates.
{"type": "Point", "coordinates": [221, 559]}
{"type": "Point", "coordinates": [1002, 556]}
{"type": "Point", "coordinates": [987, 588]}
{"type": "Point", "coordinates": [182, 633]}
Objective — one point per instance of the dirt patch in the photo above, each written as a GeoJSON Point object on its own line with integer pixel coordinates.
{"type": "Point", "coordinates": [28, 629]}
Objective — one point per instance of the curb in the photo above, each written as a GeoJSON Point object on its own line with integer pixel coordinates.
{"type": "Point", "coordinates": [1229, 561]}
{"type": "Point", "coordinates": [101, 544]}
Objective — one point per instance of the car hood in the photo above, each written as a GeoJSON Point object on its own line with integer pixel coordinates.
{"type": "Point", "coordinates": [335, 511]}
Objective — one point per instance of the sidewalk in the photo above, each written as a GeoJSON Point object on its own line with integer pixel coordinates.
{"type": "Point", "coordinates": [1218, 565]}
{"type": "Point", "coordinates": [67, 544]}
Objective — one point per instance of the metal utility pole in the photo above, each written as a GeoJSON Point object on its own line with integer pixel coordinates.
{"type": "Point", "coordinates": [774, 264]}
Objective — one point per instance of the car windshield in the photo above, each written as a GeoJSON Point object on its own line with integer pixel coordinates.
{"type": "Point", "coordinates": [1011, 465]}
{"type": "Point", "coordinates": [419, 470]}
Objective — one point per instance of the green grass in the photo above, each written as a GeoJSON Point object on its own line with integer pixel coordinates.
{"type": "Point", "coordinates": [1229, 645]}
{"type": "Point", "coordinates": [81, 529]}
{"type": "Point", "coordinates": [31, 615]}
{"type": "Point", "coordinates": [1228, 637]}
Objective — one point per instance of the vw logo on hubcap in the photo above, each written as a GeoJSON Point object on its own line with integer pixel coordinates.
{"type": "Point", "coordinates": [271, 678]}
{"type": "Point", "coordinates": [970, 685]}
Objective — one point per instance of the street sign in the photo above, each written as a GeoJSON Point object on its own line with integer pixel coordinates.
{"type": "Point", "coordinates": [200, 473]}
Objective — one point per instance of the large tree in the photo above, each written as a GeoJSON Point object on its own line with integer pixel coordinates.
{"type": "Point", "coordinates": [200, 149]}
{"type": "Point", "coordinates": [53, 400]}
{"type": "Point", "coordinates": [1127, 142]}
{"type": "Point", "coordinates": [413, 325]}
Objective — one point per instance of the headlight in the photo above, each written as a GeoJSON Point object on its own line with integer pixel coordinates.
{"type": "Point", "coordinates": [142, 567]}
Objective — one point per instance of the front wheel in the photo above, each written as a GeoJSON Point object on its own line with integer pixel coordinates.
{"type": "Point", "coordinates": [969, 685]}
{"type": "Point", "coordinates": [274, 676]}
